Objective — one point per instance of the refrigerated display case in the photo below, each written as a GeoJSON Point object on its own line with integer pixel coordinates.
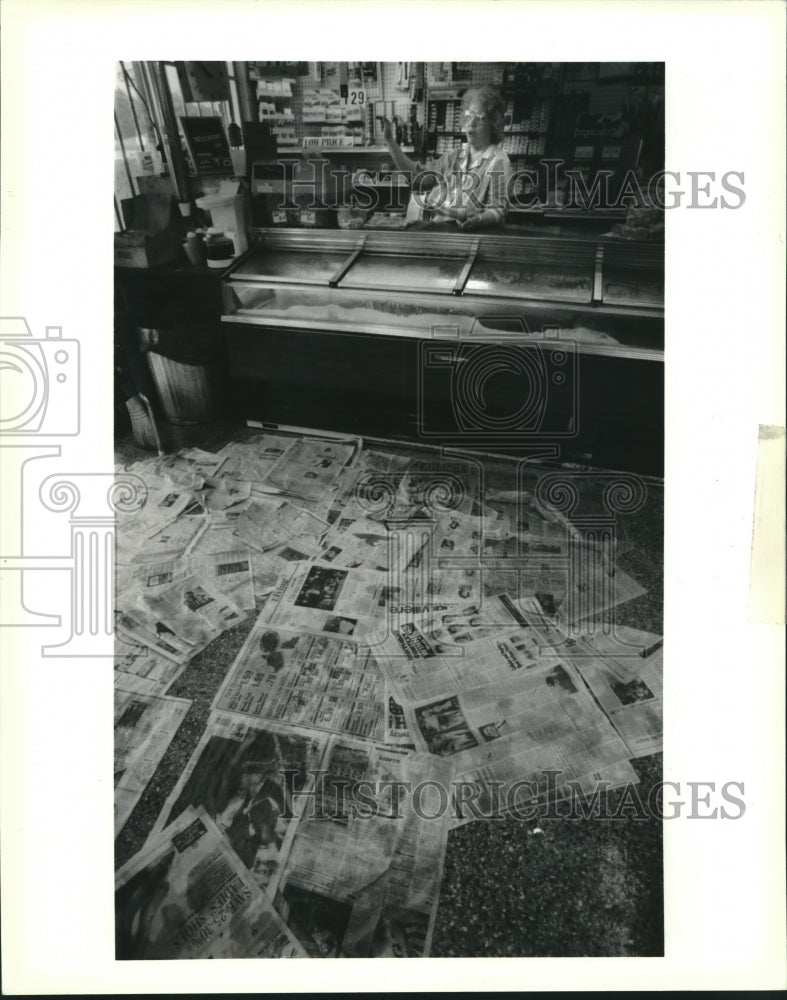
{"type": "Point", "coordinates": [377, 326]}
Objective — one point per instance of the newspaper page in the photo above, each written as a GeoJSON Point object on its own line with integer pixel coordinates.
{"type": "Point", "coordinates": [196, 595]}
{"type": "Point", "coordinates": [311, 466]}
{"type": "Point", "coordinates": [218, 496]}
{"type": "Point", "coordinates": [217, 535]}
{"type": "Point", "coordinates": [462, 652]}
{"type": "Point", "coordinates": [237, 774]}
{"type": "Point", "coordinates": [180, 619]}
{"type": "Point", "coordinates": [634, 707]}
{"type": "Point", "coordinates": [187, 895]}
{"type": "Point", "coordinates": [142, 669]}
{"type": "Point", "coordinates": [131, 627]}
{"type": "Point", "coordinates": [251, 461]}
{"type": "Point", "coordinates": [542, 719]}
{"type": "Point", "coordinates": [362, 542]}
{"type": "Point", "coordinates": [624, 651]}
{"type": "Point", "coordinates": [228, 573]}
{"type": "Point", "coordinates": [363, 876]}
{"type": "Point", "coordinates": [318, 598]}
{"type": "Point", "coordinates": [172, 539]}
{"type": "Point", "coordinates": [267, 523]}
{"type": "Point", "coordinates": [144, 728]}
{"type": "Point", "coordinates": [321, 682]}
{"type": "Point", "coordinates": [475, 798]}
{"type": "Point", "coordinates": [396, 731]}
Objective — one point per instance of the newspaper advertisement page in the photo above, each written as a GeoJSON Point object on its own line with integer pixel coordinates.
{"type": "Point", "coordinates": [396, 731]}
{"type": "Point", "coordinates": [236, 774]}
{"type": "Point", "coordinates": [318, 598]}
{"type": "Point", "coordinates": [229, 573]}
{"type": "Point", "coordinates": [144, 727]}
{"type": "Point", "coordinates": [187, 895]}
{"type": "Point", "coordinates": [364, 873]}
{"type": "Point", "coordinates": [322, 682]}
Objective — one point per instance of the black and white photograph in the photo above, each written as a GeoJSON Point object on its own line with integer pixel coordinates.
{"type": "Point", "coordinates": [433, 258]}
{"type": "Point", "coordinates": [470, 314]}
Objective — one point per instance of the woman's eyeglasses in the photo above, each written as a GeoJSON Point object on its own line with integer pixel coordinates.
{"type": "Point", "coordinates": [474, 116]}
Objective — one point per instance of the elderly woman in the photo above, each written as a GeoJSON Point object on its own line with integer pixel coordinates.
{"type": "Point", "coordinates": [470, 182]}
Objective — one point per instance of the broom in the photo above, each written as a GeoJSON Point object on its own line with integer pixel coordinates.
{"type": "Point", "coordinates": [143, 423]}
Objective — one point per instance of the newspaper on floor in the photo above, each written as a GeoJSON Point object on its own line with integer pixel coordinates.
{"type": "Point", "coordinates": [181, 619]}
{"type": "Point", "coordinates": [142, 669]}
{"type": "Point", "coordinates": [187, 467]}
{"type": "Point", "coordinates": [424, 589]}
{"type": "Point", "coordinates": [473, 793]}
{"type": "Point", "coordinates": [131, 627]}
{"type": "Point", "coordinates": [268, 523]}
{"type": "Point", "coordinates": [364, 872]}
{"type": "Point", "coordinates": [172, 539]}
{"type": "Point", "coordinates": [317, 598]}
{"type": "Point", "coordinates": [321, 682]}
{"type": "Point", "coordinates": [634, 707]}
{"type": "Point", "coordinates": [228, 573]}
{"type": "Point", "coordinates": [396, 731]}
{"type": "Point", "coordinates": [624, 651]}
{"type": "Point", "coordinates": [311, 466]}
{"type": "Point", "coordinates": [460, 652]}
{"type": "Point", "coordinates": [221, 494]}
{"type": "Point", "coordinates": [360, 543]}
{"type": "Point", "coordinates": [542, 718]}
{"type": "Point", "coordinates": [144, 727]}
{"type": "Point", "coordinates": [251, 460]}
{"type": "Point", "coordinates": [187, 895]}
{"type": "Point", "coordinates": [237, 774]}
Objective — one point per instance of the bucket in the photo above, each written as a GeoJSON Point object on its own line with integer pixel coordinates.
{"type": "Point", "coordinates": [185, 391]}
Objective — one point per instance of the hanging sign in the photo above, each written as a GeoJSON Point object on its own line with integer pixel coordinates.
{"type": "Point", "coordinates": [207, 144]}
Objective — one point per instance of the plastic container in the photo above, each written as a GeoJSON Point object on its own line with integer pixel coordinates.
{"type": "Point", "coordinates": [219, 249]}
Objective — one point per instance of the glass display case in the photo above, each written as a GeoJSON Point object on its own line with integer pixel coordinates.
{"type": "Point", "coordinates": [605, 297]}
{"type": "Point", "coordinates": [395, 334]}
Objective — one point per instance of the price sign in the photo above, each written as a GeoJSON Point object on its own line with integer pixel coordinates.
{"type": "Point", "coordinates": [356, 98]}
{"type": "Point", "coordinates": [279, 217]}
{"type": "Point", "coordinates": [308, 219]}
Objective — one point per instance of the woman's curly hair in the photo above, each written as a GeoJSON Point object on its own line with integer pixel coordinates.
{"type": "Point", "coordinates": [491, 104]}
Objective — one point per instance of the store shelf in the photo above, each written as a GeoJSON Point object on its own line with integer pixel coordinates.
{"type": "Point", "coordinates": [359, 149]}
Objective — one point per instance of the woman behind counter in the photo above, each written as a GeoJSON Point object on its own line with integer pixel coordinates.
{"type": "Point", "coordinates": [473, 184]}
